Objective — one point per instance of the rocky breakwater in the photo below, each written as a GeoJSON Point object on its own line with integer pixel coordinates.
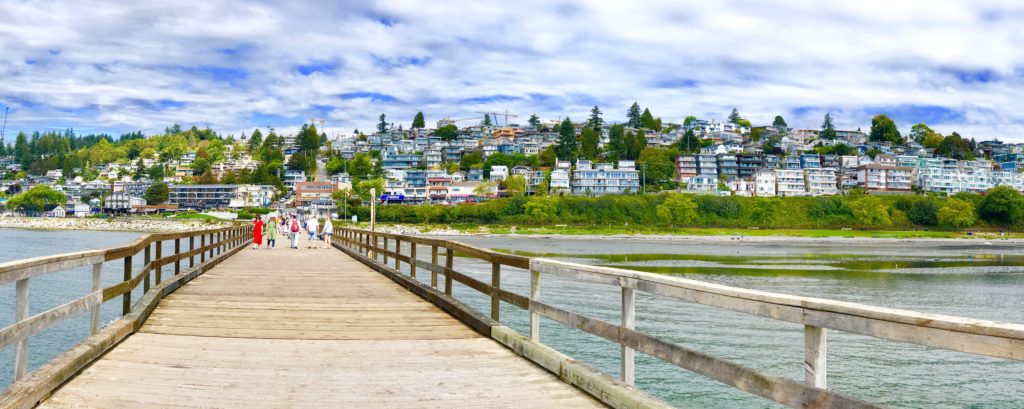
{"type": "Point", "coordinates": [112, 224]}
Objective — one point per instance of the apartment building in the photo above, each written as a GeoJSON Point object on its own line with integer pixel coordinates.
{"type": "Point", "coordinates": [315, 193]}
{"type": "Point", "coordinates": [603, 178]}
{"type": "Point", "coordinates": [790, 182]}
{"type": "Point", "coordinates": [686, 167]}
{"type": "Point", "coordinates": [764, 183]}
{"type": "Point", "coordinates": [820, 181]}
{"type": "Point", "coordinates": [876, 177]}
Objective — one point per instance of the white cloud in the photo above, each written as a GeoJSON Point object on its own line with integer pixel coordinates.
{"type": "Point", "coordinates": [107, 66]}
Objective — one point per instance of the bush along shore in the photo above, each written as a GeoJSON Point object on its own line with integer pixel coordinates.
{"type": "Point", "coordinates": [134, 224]}
{"type": "Point", "coordinates": [1002, 209]}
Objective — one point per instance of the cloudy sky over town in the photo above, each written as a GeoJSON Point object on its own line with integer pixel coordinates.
{"type": "Point", "coordinates": [121, 66]}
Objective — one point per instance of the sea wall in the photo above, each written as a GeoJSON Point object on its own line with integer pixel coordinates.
{"type": "Point", "coordinates": [113, 224]}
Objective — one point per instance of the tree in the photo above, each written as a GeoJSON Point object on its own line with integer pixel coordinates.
{"type": "Point", "coordinates": [362, 189]}
{"type": "Point", "coordinates": [201, 166]}
{"type": "Point", "coordinates": [37, 199]}
{"type": "Point", "coordinates": [647, 121]}
{"type": "Point", "coordinates": [883, 129]}
{"type": "Point", "coordinates": [22, 152]}
{"type": "Point", "coordinates": [677, 209]}
{"type": "Point", "coordinates": [690, 119]}
{"type": "Point", "coordinates": [956, 147]}
{"type": "Point", "coordinates": [589, 140]}
{"type": "Point", "coordinates": [1003, 205]}
{"type": "Point", "coordinates": [567, 142]}
{"type": "Point", "coordinates": [616, 147]}
{"type": "Point", "coordinates": [447, 133]}
{"type": "Point", "coordinates": [633, 115]}
{"type": "Point", "coordinates": [382, 126]}
{"type": "Point", "coordinates": [956, 213]}
{"type": "Point", "coordinates": [487, 120]}
{"type": "Point", "coordinates": [542, 209]}
{"type": "Point", "coordinates": [734, 116]}
{"type": "Point", "coordinates": [635, 142]}
{"type": "Point", "coordinates": [780, 124]}
{"type": "Point", "coordinates": [919, 132]}
{"type": "Point", "coordinates": [924, 212]}
{"type": "Point", "coordinates": [418, 122]}
{"type": "Point", "coordinates": [156, 194]}
{"type": "Point", "coordinates": [933, 140]}
{"type": "Point", "coordinates": [689, 143]}
{"type": "Point", "coordinates": [870, 211]}
{"type": "Point", "coordinates": [534, 122]}
{"type": "Point", "coordinates": [256, 140]}
{"type": "Point", "coordinates": [549, 156]}
{"type": "Point", "coordinates": [658, 164]}
{"type": "Point", "coordinates": [471, 159]}
{"type": "Point", "coordinates": [595, 122]}
{"type": "Point", "coordinates": [515, 185]}
{"type": "Point", "coordinates": [828, 131]}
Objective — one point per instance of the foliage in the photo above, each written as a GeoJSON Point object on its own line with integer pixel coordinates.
{"type": "Point", "coordinates": [633, 116]}
{"type": "Point", "coordinates": [828, 130]}
{"type": "Point", "coordinates": [470, 160]}
{"type": "Point", "coordinates": [567, 142]}
{"type": "Point", "coordinates": [515, 185]}
{"type": "Point", "coordinates": [595, 122]}
{"type": "Point", "coordinates": [487, 120]}
{"type": "Point", "coordinates": [780, 123]}
{"type": "Point", "coordinates": [956, 147]}
{"type": "Point", "coordinates": [382, 125]}
{"type": "Point", "coordinates": [156, 194]}
{"type": "Point", "coordinates": [589, 140]}
{"type": "Point", "coordinates": [418, 122]}
{"type": "Point", "coordinates": [870, 211]}
{"type": "Point", "coordinates": [534, 121]}
{"type": "Point", "coordinates": [647, 121]}
{"type": "Point", "coordinates": [37, 199]}
{"type": "Point", "coordinates": [734, 116]}
{"type": "Point", "coordinates": [883, 129]}
{"type": "Point", "coordinates": [447, 133]}
{"type": "Point", "coordinates": [658, 164]}
{"type": "Point", "coordinates": [924, 212]}
{"type": "Point", "coordinates": [1003, 205]}
{"type": "Point", "coordinates": [689, 143]}
{"type": "Point", "coordinates": [956, 213]}
{"type": "Point", "coordinates": [677, 209]}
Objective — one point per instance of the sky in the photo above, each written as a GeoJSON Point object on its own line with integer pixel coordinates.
{"type": "Point", "coordinates": [121, 66]}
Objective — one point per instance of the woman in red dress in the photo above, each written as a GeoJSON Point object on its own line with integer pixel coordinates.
{"type": "Point", "coordinates": [257, 232]}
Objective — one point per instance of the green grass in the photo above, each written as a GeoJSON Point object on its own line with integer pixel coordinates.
{"type": "Point", "coordinates": [691, 231]}
{"type": "Point", "coordinates": [193, 216]}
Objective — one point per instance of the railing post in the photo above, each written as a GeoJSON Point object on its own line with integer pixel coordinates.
{"type": "Point", "coordinates": [177, 252]}
{"type": "Point", "coordinates": [21, 314]}
{"type": "Point", "coordinates": [495, 286]}
{"type": "Point", "coordinates": [628, 321]}
{"type": "Point", "coordinates": [97, 281]}
{"type": "Point", "coordinates": [398, 252]}
{"type": "Point", "coordinates": [145, 262]}
{"type": "Point", "coordinates": [534, 296]}
{"type": "Point", "coordinates": [449, 263]}
{"type": "Point", "coordinates": [385, 252]}
{"type": "Point", "coordinates": [433, 262]}
{"type": "Point", "coordinates": [158, 264]}
{"type": "Point", "coordinates": [191, 248]}
{"type": "Point", "coordinates": [126, 299]}
{"type": "Point", "coordinates": [412, 259]}
{"type": "Point", "coordinates": [202, 247]}
{"type": "Point", "coordinates": [815, 347]}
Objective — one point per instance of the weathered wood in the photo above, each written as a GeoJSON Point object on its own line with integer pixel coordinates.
{"type": "Point", "coordinates": [534, 296]}
{"type": "Point", "coordinates": [97, 285]}
{"type": "Point", "coordinates": [146, 262]}
{"type": "Point", "coordinates": [177, 261]}
{"type": "Point", "coordinates": [398, 250]}
{"type": "Point", "coordinates": [815, 348]}
{"type": "Point", "coordinates": [17, 270]}
{"type": "Point", "coordinates": [20, 315]}
{"type": "Point", "coordinates": [449, 264]}
{"type": "Point", "coordinates": [202, 244]}
{"type": "Point", "coordinates": [158, 268]}
{"type": "Point", "coordinates": [495, 297]}
{"type": "Point", "coordinates": [192, 249]}
{"type": "Point", "coordinates": [25, 327]}
{"type": "Point", "coordinates": [412, 255]}
{"type": "Point", "coordinates": [126, 298]}
{"type": "Point", "coordinates": [433, 261]}
{"type": "Point", "coordinates": [628, 366]}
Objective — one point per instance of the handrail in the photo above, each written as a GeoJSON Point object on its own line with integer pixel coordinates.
{"type": "Point", "coordinates": [982, 337]}
{"type": "Point", "coordinates": [221, 241]}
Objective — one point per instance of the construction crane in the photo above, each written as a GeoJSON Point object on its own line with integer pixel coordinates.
{"type": "Point", "coordinates": [321, 121]}
{"type": "Point", "coordinates": [3, 129]}
{"type": "Point", "coordinates": [494, 115]}
{"type": "Point", "coordinates": [443, 122]}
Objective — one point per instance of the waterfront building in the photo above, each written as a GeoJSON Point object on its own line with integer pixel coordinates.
{"type": "Point", "coordinates": [686, 167]}
{"type": "Point", "coordinates": [315, 193]}
{"type": "Point", "coordinates": [790, 182]}
{"type": "Point", "coordinates": [603, 178]}
{"type": "Point", "coordinates": [877, 177]}
{"type": "Point", "coordinates": [820, 181]}
{"type": "Point", "coordinates": [764, 182]}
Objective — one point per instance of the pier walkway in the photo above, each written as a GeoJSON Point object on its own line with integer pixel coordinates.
{"type": "Point", "coordinates": [308, 328]}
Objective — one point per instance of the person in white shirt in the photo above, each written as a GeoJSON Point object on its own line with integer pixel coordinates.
{"type": "Point", "coordinates": [312, 224]}
{"type": "Point", "coordinates": [328, 229]}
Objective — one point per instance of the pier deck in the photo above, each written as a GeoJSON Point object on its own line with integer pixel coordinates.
{"type": "Point", "coordinates": [308, 328]}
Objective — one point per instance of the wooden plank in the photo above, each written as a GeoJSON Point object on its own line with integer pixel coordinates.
{"type": "Point", "coordinates": [20, 315]}
{"type": "Point", "coordinates": [628, 359]}
{"type": "Point", "coordinates": [18, 270]}
{"type": "Point", "coordinates": [815, 348]}
{"type": "Point", "coordinates": [534, 296]}
{"type": "Point", "coordinates": [97, 285]}
{"type": "Point", "coordinates": [25, 327]}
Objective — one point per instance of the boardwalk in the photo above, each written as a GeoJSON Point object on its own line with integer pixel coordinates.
{"type": "Point", "coordinates": [308, 328]}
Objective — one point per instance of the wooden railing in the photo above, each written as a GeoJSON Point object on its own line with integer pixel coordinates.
{"type": "Point", "coordinates": [208, 246]}
{"type": "Point", "coordinates": [995, 339]}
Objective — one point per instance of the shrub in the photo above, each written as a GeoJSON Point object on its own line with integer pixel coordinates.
{"type": "Point", "coordinates": [1003, 205]}
{"type": "Point", "coordinates": [956, 213]}
{"type": "Point", "coordinates": [924, 212]}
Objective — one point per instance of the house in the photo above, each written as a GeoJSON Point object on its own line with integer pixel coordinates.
{"type": "Point", "coordinates": [764, 183]}
{"type": "Point", "coordinates": [601, 179]}
{"type": "Point", "coordinates": [703, 183]}
{"type": "Point", "coordinates": [499, 173]}
{"type": "Point", "coordinates": [57, 212]}
{"type": "Point", "coordinates": [686, 167]}
{"type": "Point", "coordinates": [820, 181]}
{"type": "Point", "coordinates": [123, 202]}
{"type": "Point", "coordinates": [877, 177]}
{"type": "Point", "coordinates": [315, 194]}
{"type": "Point", "coordinates": [790, 182]}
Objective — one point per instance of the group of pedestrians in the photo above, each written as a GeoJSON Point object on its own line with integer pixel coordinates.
{"type": "Point", "coordinates": [291, 226]}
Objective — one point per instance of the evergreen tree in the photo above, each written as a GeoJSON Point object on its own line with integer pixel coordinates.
{"type": "Point", "coordinates": [616, 143]}
{"type": "Point", "coordinates": [589, 141]}
{"type": "Point", "coordinates": [534, 122]}
{"type": "Point", "coordinates": [22, 151]}
{"type": "Point", "coordinates": [595, 122]}
{"type": "Point", "coordinates": [382, 126]}
{"type": "Point", "coordinates": [734, 116]}
{"type": "Point", "coordinates": [633, 116]}
{"type": "Point", "coordinates": [780, 123]}
{"type": "Point", "coordinates": [567, 142]}
{"type": "Point", "coordinates": [487, 120]}
{"type": "Point", "coordinates": [647, 120]}
{"type": "Point", "coordinates": [256, 140]}
{"type": "Point", "coordinates": [418, 122]}
{"type": "Point", "coordinates": [689, 143]}
{"type": "Point", "coordinates": [828, 131]}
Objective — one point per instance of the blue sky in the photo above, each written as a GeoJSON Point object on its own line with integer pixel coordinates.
{"type": "Point", "coordinates": [114, 67]}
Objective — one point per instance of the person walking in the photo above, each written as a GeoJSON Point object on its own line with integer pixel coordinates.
{"type": "Point", "coordinates": [272, 233]}
{"type": "Point", "coordinates": [328, 230]}
{"type": "Point", "coordinates": [312, 225]}
{"type": "Point", "coordinates": [257, 232]}
{"type": "Point", "coordinates": [294, 228]}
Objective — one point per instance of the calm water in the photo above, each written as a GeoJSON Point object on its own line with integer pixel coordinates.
{"type": "Point", "coordinates": [980, 282]}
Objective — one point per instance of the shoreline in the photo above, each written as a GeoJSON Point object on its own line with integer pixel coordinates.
{"type": "Point", "coordinates": [125, 224]}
